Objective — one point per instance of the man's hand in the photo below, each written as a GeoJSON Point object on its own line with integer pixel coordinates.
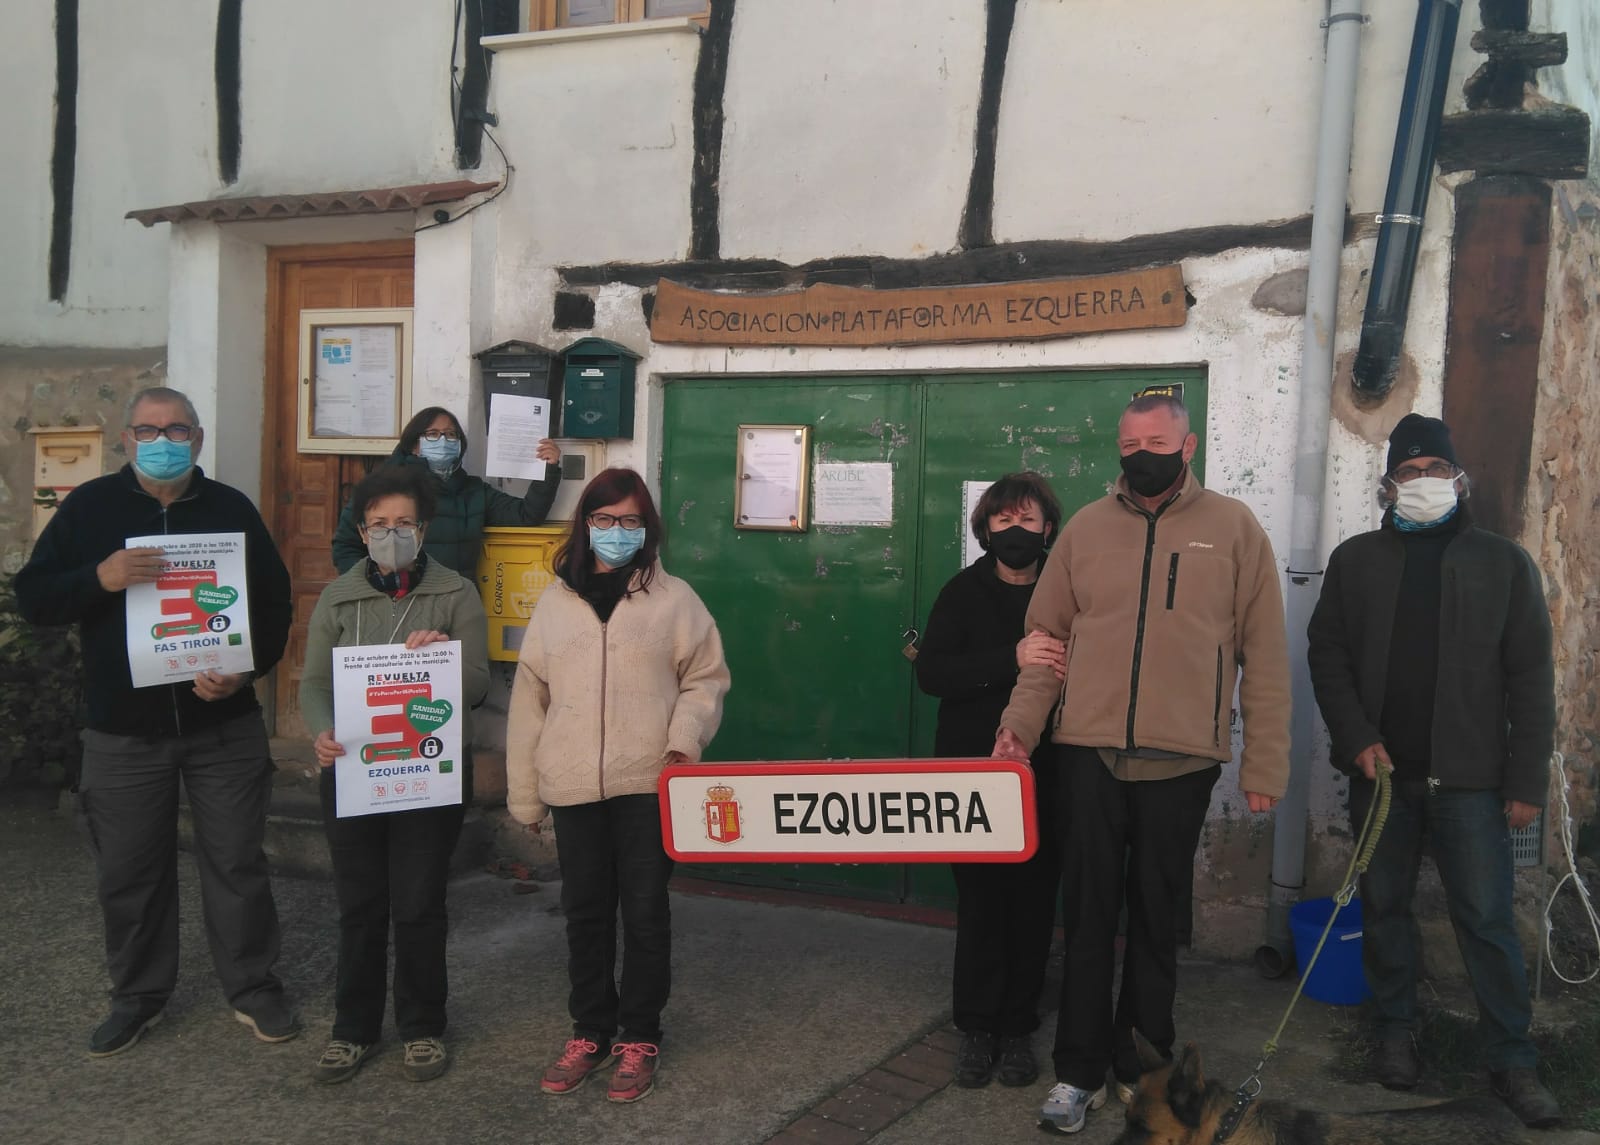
{"type": "Point", "coordinates": [1519, 814]}
{"type": "Point", "coordinates": [1259, 802]}
{"type": "Point", "coordinates": [212, 685]}
{"type": "Point", "coordinates": [1369, 759]}
{"type": "Point", "coordinates": [128, 566]}
{"type": "Point", "coordinates": [1039, 647]}
{"type": "Point", "coordinates": [1008, 746]}
{"type": "Point", "coordinates": [547, 452]}
{"type": "Point", "coordinates": [428, 636]}
{"type": "Point", "coordinates": [327, 748]}
{"type": "Point", "coordinates": [674, 758]}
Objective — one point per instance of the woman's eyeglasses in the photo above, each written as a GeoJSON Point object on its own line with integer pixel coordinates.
{"type": "Point", "coordinates": [436, 434]}
{"type": "Point", "coordinates": [606, 520]}
{"type": "Point", "coordinates": [404, 530]}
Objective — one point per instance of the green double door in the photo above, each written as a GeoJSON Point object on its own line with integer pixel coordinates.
{"type": "Point", "coordinates": [814, 622]}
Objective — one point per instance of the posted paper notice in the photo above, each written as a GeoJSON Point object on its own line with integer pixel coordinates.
{"type": "Point", "coordinates": [195, 617]}
{"type": "Point", "coordinates": [398, 715]}
{"type": "Point", "coordinates": [516, 425]}
{"type": "Point", "coordinates": [854, 493]}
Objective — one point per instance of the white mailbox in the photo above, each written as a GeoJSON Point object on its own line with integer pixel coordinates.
{"type": "Point", "coordinates": [64, 457]}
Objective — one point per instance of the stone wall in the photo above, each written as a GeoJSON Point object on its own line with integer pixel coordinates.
{"type": "Point", "coordinates": [56, 388]}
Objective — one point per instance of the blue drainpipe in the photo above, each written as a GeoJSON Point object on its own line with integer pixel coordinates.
{"type": "Point", "coordinates": [1383, 326]}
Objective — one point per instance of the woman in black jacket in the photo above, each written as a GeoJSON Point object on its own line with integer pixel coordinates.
{"type": "Point", "coordinates": [972, 650]}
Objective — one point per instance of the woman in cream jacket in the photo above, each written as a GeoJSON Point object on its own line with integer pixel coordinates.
{"type": "Point", "coordinates": [621, 673]}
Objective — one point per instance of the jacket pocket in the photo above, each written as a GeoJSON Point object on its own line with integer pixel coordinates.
{"type": "Point", "coordinates": [1172, 581]}
{"type": "Point", "coordinates": [1216, 707]}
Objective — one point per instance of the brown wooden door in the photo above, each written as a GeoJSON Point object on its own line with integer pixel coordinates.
{"type": "Point", "coordinates": [302, 493]}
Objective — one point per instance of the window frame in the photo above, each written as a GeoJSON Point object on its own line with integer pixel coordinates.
{"type": "Point", "coordinates": [546, 15]}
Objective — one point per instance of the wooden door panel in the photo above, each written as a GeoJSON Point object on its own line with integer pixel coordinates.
{"type": "Point", "coordinates": [304, 493]}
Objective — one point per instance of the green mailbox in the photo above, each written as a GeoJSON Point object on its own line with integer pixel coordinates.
{"type": "Point", "coordinates": [598, 387]}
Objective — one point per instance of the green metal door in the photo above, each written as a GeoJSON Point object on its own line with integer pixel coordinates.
{"type": "Point", "coordinates": [812, 621]}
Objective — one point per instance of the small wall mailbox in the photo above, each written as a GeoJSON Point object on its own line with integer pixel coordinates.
{"type": "Point", "coordinates": [64, 457]}
{"type": "Point", "coordinates": [598, 382]}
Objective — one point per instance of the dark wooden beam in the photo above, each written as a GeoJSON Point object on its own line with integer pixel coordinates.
{"type": "Point", "coordinates": [1509, 14]}
{"type": "Point", "coordinates": [705, 178]}
{"type": "Point", "coordinates": [227, 69]}
{"type": "Point", "coordinates": [1498, 273]}
{"type": "Point", "coordinates": [977, 218]}
{"type": "Point", "coordinates": [1550, 142]}
{"type": "Point", "coordinates": [63, 149]}
{"type": "Point", "coordinates": [1536, 49]}
{"type": "Point", "coordinates": [1497, 83]}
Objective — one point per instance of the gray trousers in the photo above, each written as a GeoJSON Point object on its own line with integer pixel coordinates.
{"type": "Point", "coordinates": [128, 793]}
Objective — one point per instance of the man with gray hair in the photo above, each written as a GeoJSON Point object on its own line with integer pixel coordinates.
{"type": "Point", "coordinates": [138, 742]}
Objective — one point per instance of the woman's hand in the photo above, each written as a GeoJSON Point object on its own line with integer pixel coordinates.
{"type": "Point", "coordinates": [547, 452]}
{"type": "Point", "coordinates": [327, 748]}
{"type": "Point", "coordinates": [429, 636]}
{"type": "Point", "coordinates": [1040, 648]}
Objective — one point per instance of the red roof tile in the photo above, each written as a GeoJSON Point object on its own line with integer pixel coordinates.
{"type": "Point", "coordinates": [375, 201]}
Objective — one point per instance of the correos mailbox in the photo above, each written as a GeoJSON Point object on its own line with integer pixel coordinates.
{"type": "Point", "coordinates": [598, 382]}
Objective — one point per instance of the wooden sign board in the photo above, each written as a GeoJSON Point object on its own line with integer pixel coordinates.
{"type": "Point", "coordinates": [830, 315]}
{"type": "Point", "coordinates": [857, 811]}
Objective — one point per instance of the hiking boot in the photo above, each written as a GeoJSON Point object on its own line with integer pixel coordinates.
{"type": "Point", "coordinates": [1399, 1065]}
{"type": "Point", "coordinates": [339, 1062]}
{"type": "Point", "coordinates": [635, 1075]}
{"type": "Point", "coordinates": [974, 1060]}
{"type": "Point", "coordinates": [271, 1020]}
{"type": "Point", "coordinates": [1520, 1088]}
{"type": "Point", "coordinates": [121, 1031]}
{"type": "Point", "coordinates": [1066, 1107]}
{"type": "Point", "coordinates": [1017, 1064]}
{"type": "Point", "coordinates": [577, 1061]}
{"type": "Point", "coordinates": [425, 1059]}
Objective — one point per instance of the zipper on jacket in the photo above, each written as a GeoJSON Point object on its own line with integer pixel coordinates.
{"type": "Point", "coordinates": [1172, 581]}
{"type": "Point", "coordinates": [1216, 707]}
{"type": "Point", "coordinates": [1144, 604]}
{"type": "Point", "coordinates": [603, 710]}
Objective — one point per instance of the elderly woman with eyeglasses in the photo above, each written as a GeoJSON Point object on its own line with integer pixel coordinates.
{"type": "Point", "coordinates": [433, 443]}
{"type": "Point", "coordinates": [621, 673]}
{"type": "Point", "coordinates": [390, 868]}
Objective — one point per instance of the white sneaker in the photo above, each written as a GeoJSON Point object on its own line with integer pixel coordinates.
{"type": "Point", "coordinates": [1066, 1106]}
{"type": "Point", "coordinates": [1125, 1091]}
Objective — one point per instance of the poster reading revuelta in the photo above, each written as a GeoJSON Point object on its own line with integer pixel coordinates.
{"type": "Point", "coordinates": [398, 716]}
{"type": "Point", "coordinates": [195, 617]}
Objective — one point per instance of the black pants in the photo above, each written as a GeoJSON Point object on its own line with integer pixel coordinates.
{"type": "Point", "coordinates": [1120, 838]}
{"type": "Point", "coordinates": [391, 869]}
{"type": "Point", "coordinates": [611, 859]}
{"type": "Point", "coordinates": [128, 793]}
{"type": "Point", "coordinates": [1004, 915]}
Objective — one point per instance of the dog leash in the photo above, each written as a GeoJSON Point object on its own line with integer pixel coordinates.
{"type": "Point", "coordinates": [1360, 859]}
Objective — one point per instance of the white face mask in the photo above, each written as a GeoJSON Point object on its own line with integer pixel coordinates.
{"type": "Point", "coordinates": [1424, 500]}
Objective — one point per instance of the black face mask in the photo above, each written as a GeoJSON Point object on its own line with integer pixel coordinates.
{"type": "Point", "coordinates": [1017, 547]}
{"type": "Point", "coordinates": [1151, 474]}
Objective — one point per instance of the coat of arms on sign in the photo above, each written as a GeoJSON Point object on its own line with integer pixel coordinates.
{"type": "Point", "coordinates": [722, 814]}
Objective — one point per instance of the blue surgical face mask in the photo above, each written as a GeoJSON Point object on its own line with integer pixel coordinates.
{"type": "Point", "coordinates": [163, 460]}
{"type": "Point", "coordinates": [616, 546]}
{"type": "Point", "coordinates": [440, 455]}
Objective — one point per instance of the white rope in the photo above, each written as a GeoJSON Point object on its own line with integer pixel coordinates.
{"type": "Point", "coordinates": [1564, 830]}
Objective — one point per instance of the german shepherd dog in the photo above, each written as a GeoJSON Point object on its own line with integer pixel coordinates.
{"type": "Point", "coordinates": [1175, 1105]}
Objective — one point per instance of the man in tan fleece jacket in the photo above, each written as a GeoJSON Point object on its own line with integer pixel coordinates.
{"type": "Point", "coordinates": [1163, 592]}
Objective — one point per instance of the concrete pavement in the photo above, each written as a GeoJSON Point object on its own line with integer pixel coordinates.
{"type": "Point", "coordinates": [786, 1022]}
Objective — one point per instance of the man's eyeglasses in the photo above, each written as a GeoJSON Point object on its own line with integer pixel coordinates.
{"type": "Point", "coordinates": [1441, 469]}
{"type": "Point", "coordinates": [175, 432]}
{"type": "Point", "coordinates": [436, 434]}
{"type": "Point", "coordinates": [606, 520]}
{"type": "Point", "coordinates": [405, 530]}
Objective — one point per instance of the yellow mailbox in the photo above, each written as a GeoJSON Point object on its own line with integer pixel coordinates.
{"type": "Point", "coordinates": [514, 567]}
{"type": "Point", "coordinates": [64, 457]}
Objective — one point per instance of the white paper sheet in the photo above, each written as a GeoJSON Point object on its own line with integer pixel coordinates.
{"type": "Point", "coordinates": [398, 715]}
{"type": "Point", "coordinates": [854, 493]}
{"type": "Point", "coordinates": [196, 616]}
{"type": "Point", "coordinates": [971, 492]}
{"type": "Point", "coordinates": [356, 382]}
{"type": "Point", "coordinates": [516, 425]}
{"type": "Point", "coordinates": [771, 461]}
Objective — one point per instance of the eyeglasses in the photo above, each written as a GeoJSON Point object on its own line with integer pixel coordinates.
{"type": "Point", "coordinates": [405, 530]}
{"type": "Point", "coordinates": [1441, 469]}
{"type": "Point", "coordinates": [606, 520]}
{"type": "Point", "coordinates": [436, 434]}
{"type": "Point", "coordinates": [174, 432]}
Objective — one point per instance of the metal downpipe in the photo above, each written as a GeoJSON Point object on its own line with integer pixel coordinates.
{"type": "Point", "coordinates": [1383, 326]}
{"type": "Point", "coordinates": [1334, 134]}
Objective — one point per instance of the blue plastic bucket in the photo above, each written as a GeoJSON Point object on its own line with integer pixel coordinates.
{"type": "Point", "coordinates": [1336, 978]}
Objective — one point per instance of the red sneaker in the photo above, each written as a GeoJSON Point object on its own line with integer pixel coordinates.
{"type": "Point", "coordinates": [580, 1058]}
{"type": "Point", "coordinates": [635, 1075]}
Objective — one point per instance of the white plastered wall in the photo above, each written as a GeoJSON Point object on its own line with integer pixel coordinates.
{"type": "Point", "coordinates": [1576, 82]}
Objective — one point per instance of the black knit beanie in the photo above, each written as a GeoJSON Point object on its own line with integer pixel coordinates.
{"type": "Point", "coordinates": [1418, 436]}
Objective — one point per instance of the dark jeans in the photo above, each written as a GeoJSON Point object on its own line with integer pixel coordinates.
{"type": "Point", "coordinates": [1004, 915]}
{"type": "Point", "coordinates": [391, 869]}
{"type": "Point", "coordinates": [1119, 838]}
{"type": "Point", "coordinates": [611, 858]}
{"type": "Point", "coordinates": [1467, 835]}
{"type": "Point", "coordinates": [128, 793]}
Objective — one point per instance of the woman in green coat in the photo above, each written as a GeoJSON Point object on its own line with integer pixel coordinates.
{"type": "Point", "coordinates": [390, 866]}
{"type": "Point", "coordinates": [433, 442]}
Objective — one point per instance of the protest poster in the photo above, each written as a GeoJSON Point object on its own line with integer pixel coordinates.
{"type": "Point", "coordinates": [195, 616]}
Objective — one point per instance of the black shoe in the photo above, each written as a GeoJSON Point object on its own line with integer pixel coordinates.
{"type": "Point", "coordinates": [1017, 1064]}
{"type": "Point", "coordinates": [1399, 1066]}
{"type": "Point", "coordinates": [974, 1060]}
{"type": "Point", "coordinates": [1521, 1089]}
{"type": "Point", "coordinates": [270, 1019]}
{"type": "Point", "coordinates": [121, 1031]}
